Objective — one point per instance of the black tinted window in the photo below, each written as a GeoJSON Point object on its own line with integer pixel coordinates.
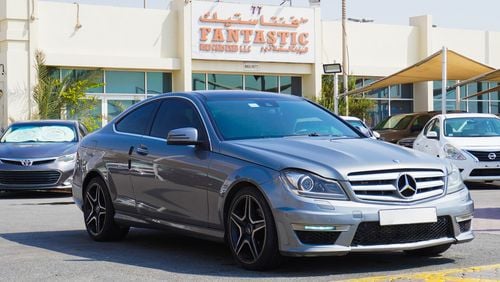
{"type": "Point", "coordinates": [176, 113]}
{"type": "Point", "coordinates": [138, 121]}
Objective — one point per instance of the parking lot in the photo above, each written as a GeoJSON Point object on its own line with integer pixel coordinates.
{"type": "Point", "coordinates": [42, 237]}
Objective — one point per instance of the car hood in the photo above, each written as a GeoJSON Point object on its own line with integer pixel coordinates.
{"type": "Point", "coordinates": [475, 142]}
{"type": "Point", "coordinates": [331, 158]}
{"type": "Point", "coordinates": [393, 135]}
{"type": "Point", "coordinates": [36, 150]}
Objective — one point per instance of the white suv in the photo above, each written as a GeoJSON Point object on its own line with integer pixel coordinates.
{"type": "Point", "coordinates": [471, 141]}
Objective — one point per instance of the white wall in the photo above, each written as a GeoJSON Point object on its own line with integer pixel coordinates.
{"type": "Point", "coordinates": [374, 49]}
{"type": "Point", "coordinates": [108, 37]}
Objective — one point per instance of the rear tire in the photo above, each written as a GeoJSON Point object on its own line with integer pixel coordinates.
{"type": "Point", "coordinates": [251, 231]}
{"type": "Point", "coordinates": [98, 213]}
{"type": "Point", "coordinates": [430, 251]}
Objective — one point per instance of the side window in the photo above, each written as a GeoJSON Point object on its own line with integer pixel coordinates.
{"type": "Point", "coordinates": [83, 129]}
{"type": "Point", "coordinates": [436, 127]}
{"type": "Point", "coordinates": [176, 113]}
{"type": "Point", "coordinates": [138, 121]}
{"type": "Point", "coordinates": [428, 126]}
{"type": "Point", "coordinates": [420, 121]}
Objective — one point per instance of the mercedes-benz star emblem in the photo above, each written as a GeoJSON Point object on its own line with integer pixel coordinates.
{"type": "Point", "coordinates": [407, 186]}
{"type": "Point", "coordinates": [492, 156]}
{"type": "Point", "coordinates": [27, 162]}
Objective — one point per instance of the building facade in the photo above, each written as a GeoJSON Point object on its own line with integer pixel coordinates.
{"type": "Point", "coordinates": [196, 45]}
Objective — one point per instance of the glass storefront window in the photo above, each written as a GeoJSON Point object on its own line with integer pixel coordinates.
{"type": "Point", "coordinates": [261, 83]}
{"type": "Point", "coordinates": [395, 91]}
{"type": "Point", "coordinates": [78, 74]}
{"type": "Point", "coordinates": [128, 82]}
{"type": "Point", "coordinates": [225, 81]}
{"type": "Point", "coordinates": [92, 117]}
{"type": "Point", "coordinates": [115, 107]}
{"type": "Point", "coordinates": [159, 82]}
{"type": "Point", "coordinates": [378, 93]}
{"type": "Point", "coordinates": [379, 112]}
{"type": "Point", "coordinates": [401, 106]}
{"type": "Point", "coordinates": [291, 85]}
{"type": "Point", "coordinates": [199, 82]}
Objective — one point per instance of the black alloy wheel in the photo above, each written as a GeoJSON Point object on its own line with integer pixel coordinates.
{"type": "Point", "coordinates": [251, 231]}
{"type": "Point", "coordinates": [98, 213]}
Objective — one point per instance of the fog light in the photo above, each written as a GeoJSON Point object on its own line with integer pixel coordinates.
{"type": "Point", "coordinates": [463, 217]}
{"type": "Point", "coordinates": [302, 227]}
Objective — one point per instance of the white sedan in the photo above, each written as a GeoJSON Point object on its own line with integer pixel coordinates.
{"type": "Point", "coordinates": [470, 141]}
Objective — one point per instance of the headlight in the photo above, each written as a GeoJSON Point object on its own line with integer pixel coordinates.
{"type": "Point", "coordinates": [67, 158]}
{"type": "Point", "coordinates": [310, 185]}
{"type": "Point", "coordinates": [455, 182]}
{"type": "Point", "coordinates": [451, 152]}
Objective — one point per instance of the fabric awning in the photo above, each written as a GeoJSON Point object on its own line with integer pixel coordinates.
{"type": "Point", "coordinates": [429, 69]}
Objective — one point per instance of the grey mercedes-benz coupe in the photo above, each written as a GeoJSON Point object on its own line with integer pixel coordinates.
{"type": "Point", "coordinates": [39, 155]}
{"type": "Point", "coordinates": [272, 175]}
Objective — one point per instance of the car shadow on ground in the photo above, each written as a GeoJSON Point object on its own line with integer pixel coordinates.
{"type": "Point", "coordinates": [180, 254]}
{"type": "Point", "coordinates": [487, 213]}
{"type": "Point", "coordinates": [30, 194]}
{"type": "Point", "coordinates": [483, 186]}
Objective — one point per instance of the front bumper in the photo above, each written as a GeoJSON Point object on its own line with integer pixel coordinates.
{"type": "Point", "coordinates": [51, 176]}
{"type": "Point", "coordinates": [478, 171]}
{"type": "Point", "coordinates": [347, 216]}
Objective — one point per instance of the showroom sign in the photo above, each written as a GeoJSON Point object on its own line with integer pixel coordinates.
{"type": "Point", "coordinates": [227, 31]}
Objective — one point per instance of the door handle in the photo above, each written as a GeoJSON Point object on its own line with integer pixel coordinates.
{"type": "Point", "coordinates": [142, 150]}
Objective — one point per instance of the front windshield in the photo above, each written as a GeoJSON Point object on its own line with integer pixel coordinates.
{"type": "Point", "coordinates": [269, 118]}
{"type": "Point", "coordinates": [395, 122]}
{"type": "Point", "coordinates": [30, 133]}
{"type": "Point", "coordinates": [472, 127]}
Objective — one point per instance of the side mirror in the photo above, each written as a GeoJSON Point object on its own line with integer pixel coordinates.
{"type": "Point", "coordinates": [432, 135]}
{"type": "Point", "coordinates": [183, 136]}
{"type": "Point", "coordinates": [376, 134]}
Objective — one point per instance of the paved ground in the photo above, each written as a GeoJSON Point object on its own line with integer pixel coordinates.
{"type": "Point", "coordinates": [42, 238]}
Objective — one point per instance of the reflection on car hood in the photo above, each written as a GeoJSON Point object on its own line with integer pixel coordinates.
{"type": "Point", "coordinates": [475, 142]}
{"type": "Point", "coordinates": [332, 158]}
{"type": "Point", "coordinates": [36, 150]}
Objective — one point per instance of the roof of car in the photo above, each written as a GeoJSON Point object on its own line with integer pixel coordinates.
{"type": "Point", "coordinates": [47, 121]}
{"type": "Point", "coordinates": [349, 118]}
{"type": "Point", "coordinates": [459, 115]}
{"type": "Point", "coordinates": [240, 94]}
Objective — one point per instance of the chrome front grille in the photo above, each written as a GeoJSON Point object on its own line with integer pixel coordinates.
{"type": "Point", "coordinates": [486, 156]}
{"type": "Point", "coordinates": [383, 185]}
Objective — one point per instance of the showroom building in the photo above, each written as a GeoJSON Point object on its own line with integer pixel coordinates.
{"type": "Point", "coordinates": [198, 45]}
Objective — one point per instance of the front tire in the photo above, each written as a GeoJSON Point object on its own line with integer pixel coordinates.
{"type": "Point", "coordinates": [429, 251]}
{"type": "Point", "coordinates": [251, 232]}
{"type": "Point", "coordinates": [98, 213]}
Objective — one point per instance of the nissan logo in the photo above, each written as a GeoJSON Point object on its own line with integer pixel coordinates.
{"type": "Point", "coordinates": [407, 186]}
{"type": "Point", "coordinates": [492, 156]}
{"type": "Point", "coordinates": [27, 162]}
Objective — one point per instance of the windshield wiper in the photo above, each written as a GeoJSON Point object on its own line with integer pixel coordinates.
{"type": "Point", "coordinates": [313, 134]}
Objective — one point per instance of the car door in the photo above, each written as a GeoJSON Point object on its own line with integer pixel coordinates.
{"type": "Point", "coordinates": [172, 186]}
{"type": "Point", "coordinates": [119, 158]}
{"type": "Point", "coordinates": [432, 145]}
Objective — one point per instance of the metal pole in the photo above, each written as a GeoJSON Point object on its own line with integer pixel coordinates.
{"type": "Point", "coordinates": [345, 66]}
{"type": "Point", "coordinates": [443, 83]}
{"type": "Point", "coordinates": [145, 4]}
{"type": "Point", "coordinates": [458, 98]}
{"type": "Point", "coordinates": [335, 94]}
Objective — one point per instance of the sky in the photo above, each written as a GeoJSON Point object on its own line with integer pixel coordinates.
{"type": "Point", "coordinates": [463, 14]}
